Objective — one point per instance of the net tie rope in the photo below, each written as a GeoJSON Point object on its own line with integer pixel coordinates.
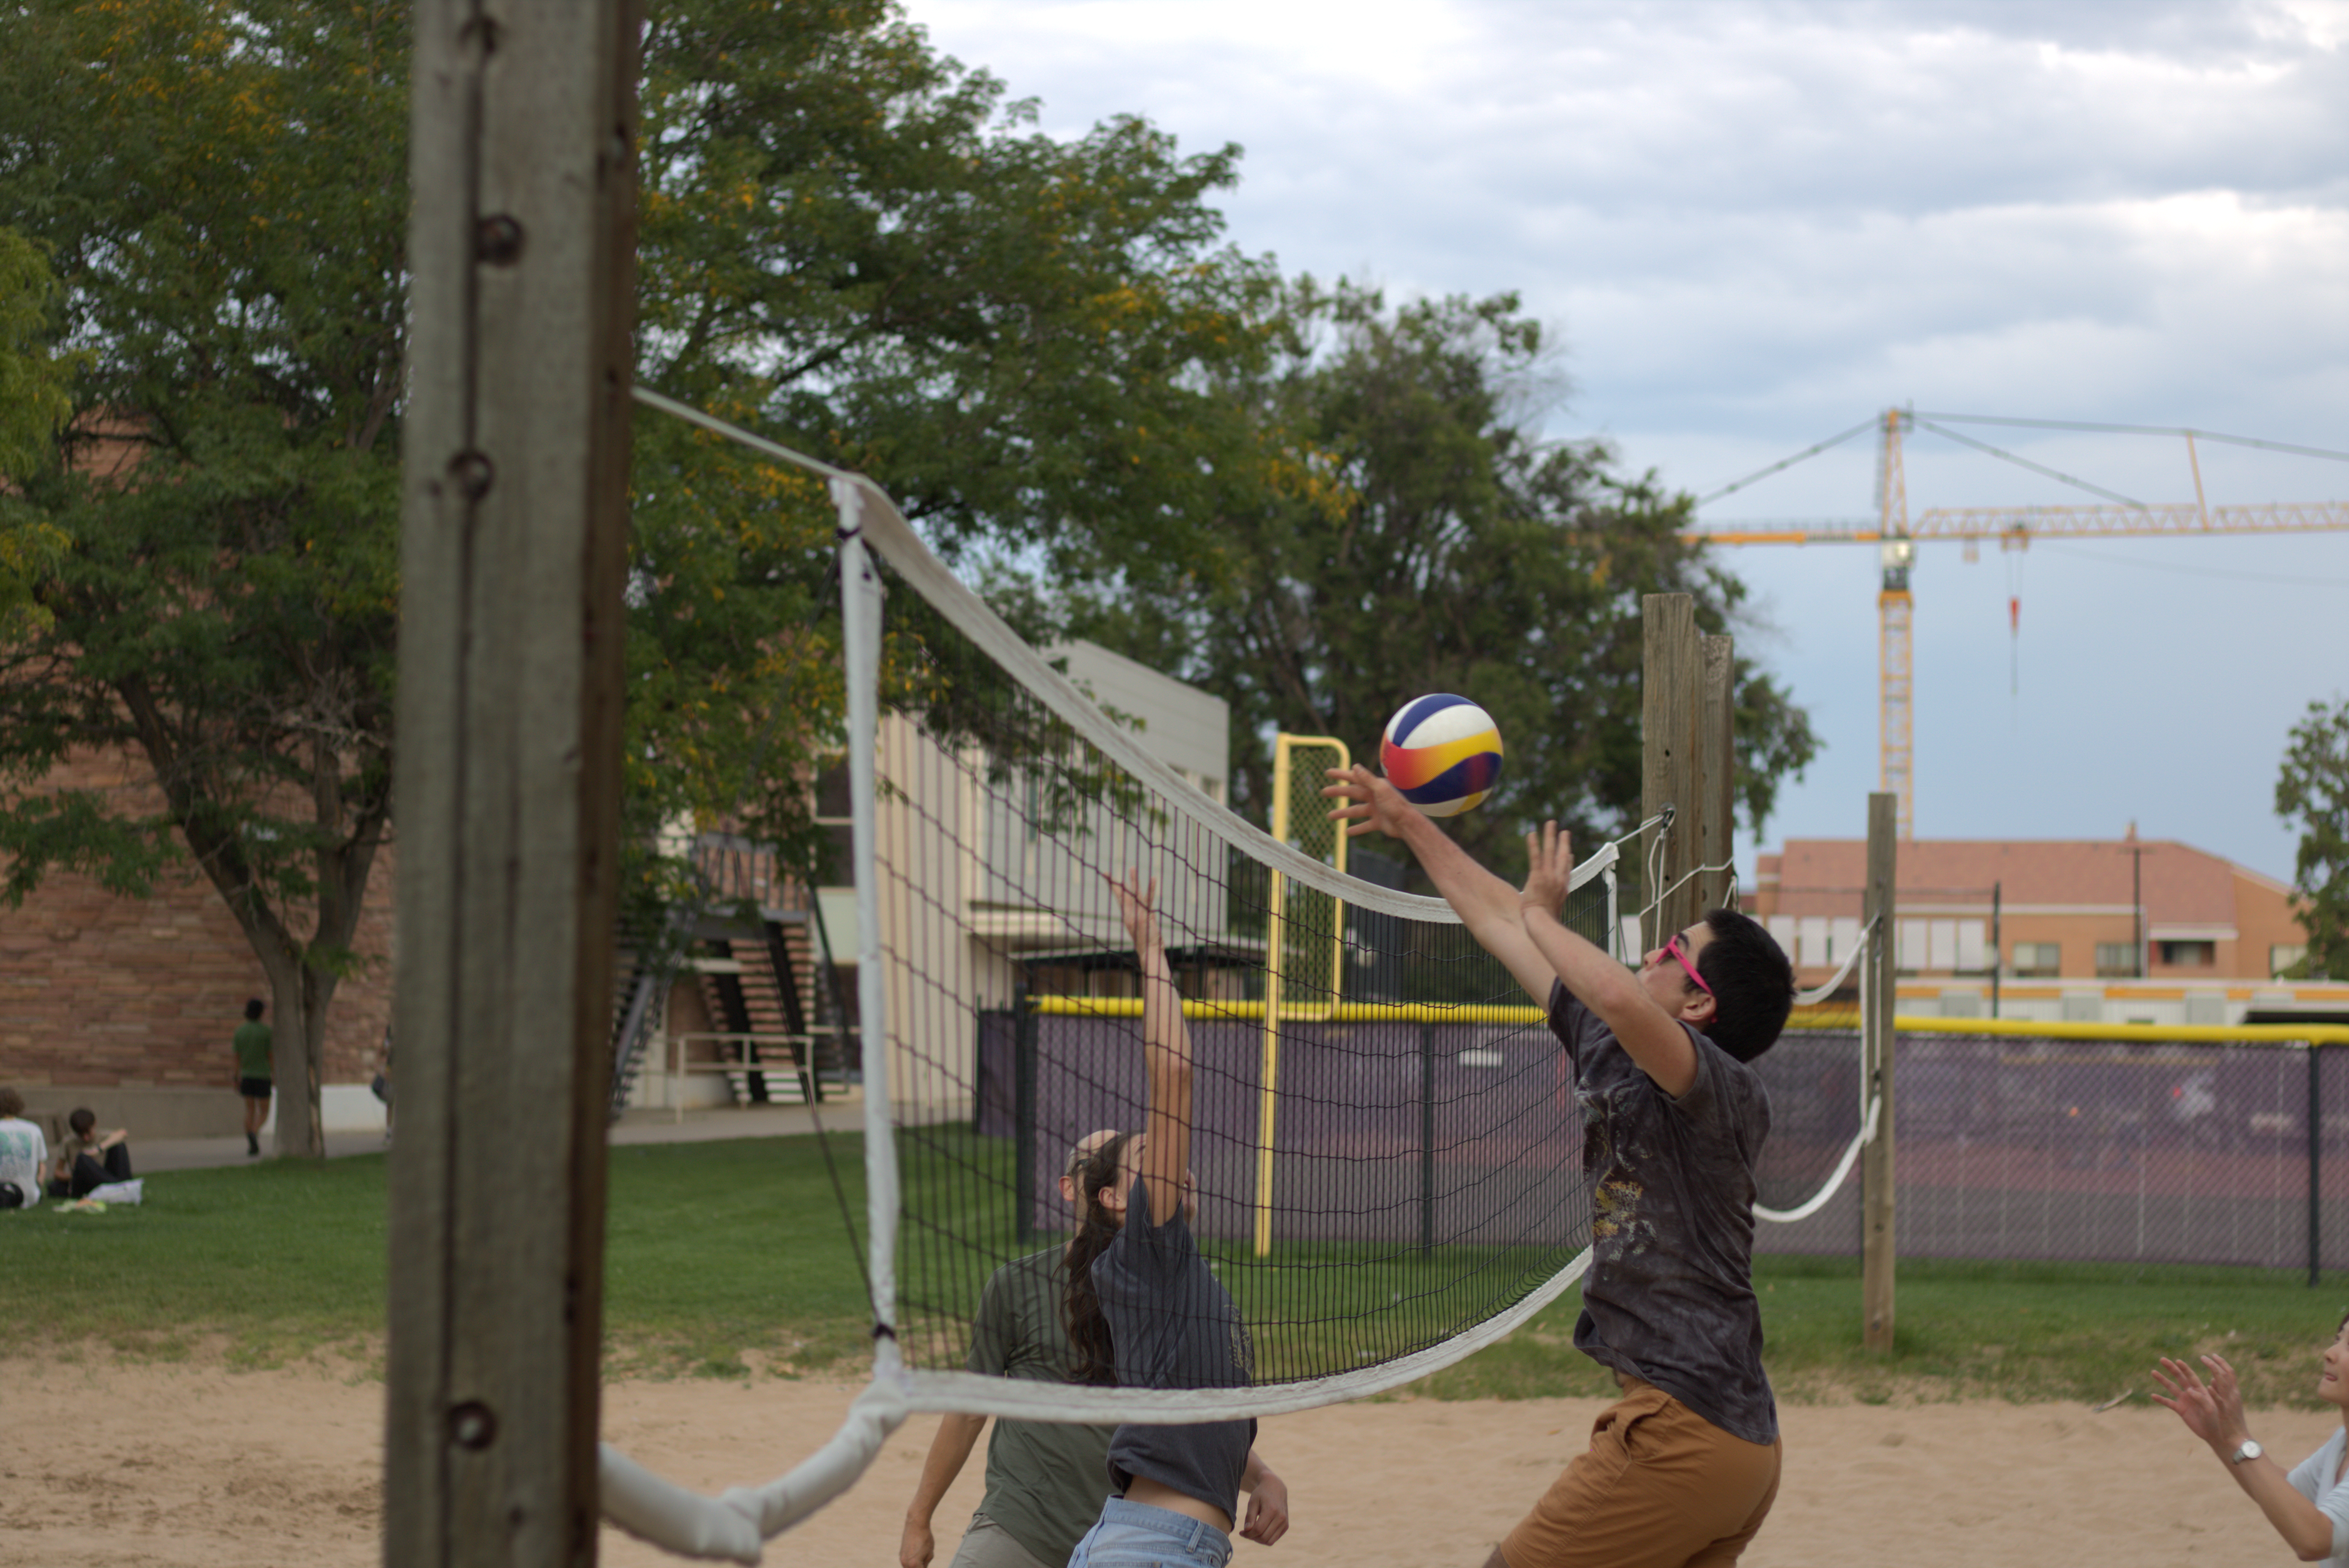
{"type": "Point", "coordinates": [1871, 1096]}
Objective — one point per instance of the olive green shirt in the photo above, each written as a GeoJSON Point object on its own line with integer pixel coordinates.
{"type": "Point", "coordinates": [1045, 1480]}
{"type": "Point", "coordinates": [252, 1050]}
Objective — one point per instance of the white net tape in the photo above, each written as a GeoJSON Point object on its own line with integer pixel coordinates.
{"type": "Point", "coordinates": [1869, 1100]}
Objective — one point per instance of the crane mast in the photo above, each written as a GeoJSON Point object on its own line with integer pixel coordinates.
{"type": "Point", "coordinates": [2014, 527]}
{"type": "Point", "coordinates": [1896, 553]}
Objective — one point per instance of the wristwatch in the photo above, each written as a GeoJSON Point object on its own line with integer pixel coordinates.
{"type": "Point", "coordinates": [2249, 1450]}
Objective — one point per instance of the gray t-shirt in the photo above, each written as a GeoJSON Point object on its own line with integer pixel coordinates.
{"type": "Point", "coordinates": [1044, 1483]}
{"type": "Point", "coordinates": [1670, 1295]}
{"type": "Point", "coordinates": [2313, 1477]}
{"type": "Point", "coordinates": [1172, 1326]}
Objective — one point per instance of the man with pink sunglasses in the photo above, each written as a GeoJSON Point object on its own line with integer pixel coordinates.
{"type": "Point", "coordinates": [1683, 1468]}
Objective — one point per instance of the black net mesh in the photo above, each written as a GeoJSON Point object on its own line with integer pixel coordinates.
{"type": "Point", "coordinates": [1426, 1169]}
{"type": "Point", "coordinates": [1813, 1076]}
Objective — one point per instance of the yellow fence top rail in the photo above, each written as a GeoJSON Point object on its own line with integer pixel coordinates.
{"type": "Point", "coordinates": [1302, 1013]}
{"type": "Point", "coordinates": [2175, 1034]}
{"type": "Point", "coordinates": [1519, 1013]}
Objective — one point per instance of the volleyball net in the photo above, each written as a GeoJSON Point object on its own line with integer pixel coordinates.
{"type": "Point", "coordinates": [1386, 1162]}
{"type": "Point", "coordinates": [1387, 1170]}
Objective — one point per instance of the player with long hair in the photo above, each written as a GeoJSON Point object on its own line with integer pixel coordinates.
{"type": "Point", "coordinates": [1145, 1312]}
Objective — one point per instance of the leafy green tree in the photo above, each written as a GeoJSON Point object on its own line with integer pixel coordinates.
{"type": "Point", "coordinates": [848, 240]}
{"type": "Point", "coordinates": [1415, 536]}
{"type": "Point", "coordinates": [867, 252]}
{"type": "Point", "coordinates": [34, 402]}
{"type": "Point", "coordinates": [2312, 787]}
{"type": "Point", "coordinates": [222, 189]}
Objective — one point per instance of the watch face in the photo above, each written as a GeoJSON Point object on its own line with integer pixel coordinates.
{"type": "Point", "coordinates": [2250, 1450]}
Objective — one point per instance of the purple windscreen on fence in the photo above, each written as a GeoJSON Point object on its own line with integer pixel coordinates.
{"type": "Point", "coordinates": [2005, 1147]}
{"type": "Point", "coordinates": [1408, 1134]}
{"type": "Point", "coordinates": [2154, 1151]}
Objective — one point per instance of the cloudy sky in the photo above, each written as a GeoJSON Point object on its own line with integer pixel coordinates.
{"type": "Point", "coordinates": [1753, 226]}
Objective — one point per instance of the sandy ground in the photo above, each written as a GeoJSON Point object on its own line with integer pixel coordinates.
{"type": "Point", "coordinates": [193, 1468]}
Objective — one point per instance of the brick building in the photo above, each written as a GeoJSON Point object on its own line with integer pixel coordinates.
{"type": "Point", "coordinates": [126, 1004]}
{"type": "Point", "coordinates": [2108, 929]}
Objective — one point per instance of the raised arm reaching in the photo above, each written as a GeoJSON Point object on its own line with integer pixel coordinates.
{"type": "Point", "coordinates": [1166, 1162]}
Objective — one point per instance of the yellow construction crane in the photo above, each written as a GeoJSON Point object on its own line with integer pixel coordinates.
{"type": "Point", "coordinates": [2014, 527]}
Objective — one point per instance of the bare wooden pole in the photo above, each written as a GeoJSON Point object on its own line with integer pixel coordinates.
{"type": "Point", "coordinates": [521, 241]}
{"type": "Point", "coordinates": [1876, 1185]}
{"type": "Point", "coordinates": [1671, 701]}
{"type": "Point", "coordinates": [1716, 766]}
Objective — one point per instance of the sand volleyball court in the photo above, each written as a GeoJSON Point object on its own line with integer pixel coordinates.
{"type": "Point", "coordinates": [198, 1466]}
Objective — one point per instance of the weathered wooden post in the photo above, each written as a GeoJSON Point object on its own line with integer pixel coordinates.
{"type": "Point", "coordinates": [1670, 702]}
{"type": "Point", "coordinates": [1717, 767]}
{"type": "Point", "coordinates": [1876, 1059]}
{"type": "Point", "coordinates": [514, 529]}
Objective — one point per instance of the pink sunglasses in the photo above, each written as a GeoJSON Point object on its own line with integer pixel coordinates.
{"type": "Point", "coordinates": [1673, 947]}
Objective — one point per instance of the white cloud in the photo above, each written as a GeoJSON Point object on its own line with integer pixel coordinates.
{"type": "Point", "coordinates": [1756, 224]}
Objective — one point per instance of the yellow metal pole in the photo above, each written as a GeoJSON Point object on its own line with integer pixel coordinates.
{"type": "Point", "coordinates": [1275, 940]}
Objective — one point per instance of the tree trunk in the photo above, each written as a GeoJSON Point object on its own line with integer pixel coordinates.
{"type": "Point", "coordinates": [297, 1032]}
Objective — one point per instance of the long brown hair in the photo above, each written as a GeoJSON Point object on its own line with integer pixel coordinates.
{"type": "Point", "coordinates": [1080, 1308]}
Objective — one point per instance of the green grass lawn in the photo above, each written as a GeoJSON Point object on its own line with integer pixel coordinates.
{"type": "Point", "coordinates": [725, 1257]}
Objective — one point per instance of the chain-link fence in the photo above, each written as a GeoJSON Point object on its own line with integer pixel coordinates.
{"type": "Point", "coordinates": [2185, 1149]}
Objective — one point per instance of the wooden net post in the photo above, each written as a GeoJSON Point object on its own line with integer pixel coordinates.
{"type": "Point", "coordinates": [1876, 1055]}
{"type": "Point", "coordinates": [1670, 704]}
{"type": "Point", "coordinates": [512, 554]}
{"type": "Point", "coordinates": [1717, 767]}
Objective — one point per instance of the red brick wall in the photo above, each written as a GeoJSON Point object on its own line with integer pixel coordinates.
{"type": "Point", "coordinates": [118, 993]}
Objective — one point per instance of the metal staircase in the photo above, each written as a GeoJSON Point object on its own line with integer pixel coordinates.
{"type": "Point", "coordinates": [756, 949]}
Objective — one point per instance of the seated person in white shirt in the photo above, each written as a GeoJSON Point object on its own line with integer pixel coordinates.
{"type": "Point", "coordinates": [23, 1151]}
{"type": "Point", "coordinates": [2308, 1505]}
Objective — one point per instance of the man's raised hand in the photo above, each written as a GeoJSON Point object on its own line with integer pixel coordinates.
{"type": "Point", "coordinates": [1549, 863]}
{"type": "Point", "coordinates": [1366, 803]}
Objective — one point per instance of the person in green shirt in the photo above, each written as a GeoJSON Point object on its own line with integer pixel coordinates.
{"type": "Point", "coordinates": [254, 1073]}
{"type": "Point", "coordinates": [1045, 1480]}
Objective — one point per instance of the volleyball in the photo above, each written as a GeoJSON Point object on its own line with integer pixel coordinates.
{"type": "Point", "coordinates": [1443, 753]}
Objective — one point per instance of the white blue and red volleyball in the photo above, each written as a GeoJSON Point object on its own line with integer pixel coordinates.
{"type": "Point", "coordinates": [1443, 753]}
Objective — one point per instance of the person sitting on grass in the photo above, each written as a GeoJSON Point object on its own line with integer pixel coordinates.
{"type": "Point", "coordinates": [24, 1154]}
{"type": "Point", "coordinates": [1044, 1481]}
{"type": "Point", "coordinates": [1674, 1118]}
{"type": "Point", "coordinates": [86, 1161]}
{"type": "Point", "coordinates": [2308, 1504]}
{"type": "Point", "coordinates": [1145, 1312]}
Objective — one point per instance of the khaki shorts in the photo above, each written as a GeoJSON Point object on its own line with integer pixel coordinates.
{"type": "Point", "coordinates": [986, 1544]}
{"type": "Point", "coordinates": [1660, 1487]}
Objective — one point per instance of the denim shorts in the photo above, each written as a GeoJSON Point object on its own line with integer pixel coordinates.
{"type": "Point", "coordinates": [1137, 1535]}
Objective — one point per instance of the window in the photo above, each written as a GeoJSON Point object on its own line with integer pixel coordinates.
{"type": "Point", "coordinates": [833, 812]}
{"type": "Point", "coordinates": [2038, 958]}
{"type": "Point", "coordinates": [2116, 958]}
{"type": "Point", "coordinates": [2189, 954]}
{"type": "Point", "coordinates": [2285, 955]}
